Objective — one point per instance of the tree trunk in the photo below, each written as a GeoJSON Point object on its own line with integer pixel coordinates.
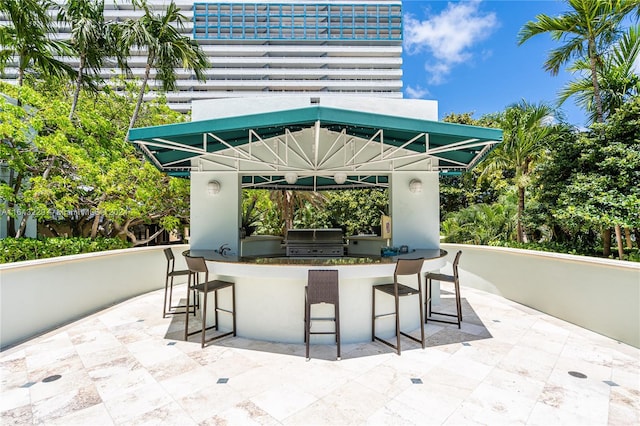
{"type": "Point", "coordinates": [20, 80]}
{"type": "Point", "coordinates": [520, 229]}
{"type": "Point", "coordinates": [136, 111]}
{"type": "Point", "coordinates": [627, 235]}
{"type": "Point", "coordinates": [606, 242]}
{"type": "Point", "coordinates": [76, 92]}
{"type": "Point", "coordinates": [11, 222]}
{"type": "Point", "coordinates": [51, 229]}
{"type": "Point", "coordinates": [23, 225]}
{"type": "Point", "coordinates": [594, 80]}
{"type": "Point", "coordinates": [619, 241]}
{"type": "Point", "coordinates": [94, 225]}
{"type": "Point", "coordinates": [47, 171]}
{"type": "Point", "coordinates": [137, 242]}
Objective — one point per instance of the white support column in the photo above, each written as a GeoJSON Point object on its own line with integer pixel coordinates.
{"type": "Point", "coordinates": [415, 216]}
{"type": "Point", "coordinates": [215, 218]}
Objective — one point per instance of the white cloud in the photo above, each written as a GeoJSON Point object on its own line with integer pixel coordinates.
{"type": "Point", "coordinates": [448, 37]}
{"type": "Point", "coordinates": [417, 92]}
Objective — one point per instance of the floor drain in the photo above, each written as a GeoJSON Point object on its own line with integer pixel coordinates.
{"type": "Point", "coordinates": [577, 374]}
{"type": "Point", "coordinates": [171, 343]}
{"type": "Point", "coordinates": [28, 385]}
{"type": "Point", "coordinates": [51, 378]}
{"type": "Point", "coordinates": [416, 381]}
{"type": "Point", "coordinates": [222, 381]}
{"type": "Point", "coordinates": [466, 344]}
{"type": "Point", "coordinates": [610, 383]}
{"type": "Point", "coordinates": [496, 320]}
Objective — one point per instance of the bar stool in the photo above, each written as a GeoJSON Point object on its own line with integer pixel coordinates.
{"type": "Point", "coordinates": [397, 290]}
{"type": "Point", "coordinates": [198, 265]}
{"type": "Point", "coordinates": [168, 285]}
{"type": "Point", "coordinates": [322, 287]}
{"type": "Point", "coordinates": [429, 276]}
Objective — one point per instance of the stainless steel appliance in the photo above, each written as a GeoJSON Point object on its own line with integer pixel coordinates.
{"type": "Point", "coordinates": [314, 243]}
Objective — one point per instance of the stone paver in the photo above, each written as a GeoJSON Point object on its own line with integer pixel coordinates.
{"type": "Point", "coordinates": [508, 364]}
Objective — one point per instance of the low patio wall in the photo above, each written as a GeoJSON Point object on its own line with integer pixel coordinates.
{"type": "Point", "coordinates": [598, 294]}
{"type": "Point", "coordinates": [40, 295]}
{"type": "Point", "coordinates": [601, 295]}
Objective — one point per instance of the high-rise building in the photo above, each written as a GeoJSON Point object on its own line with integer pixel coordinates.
{"type": "Point", "coordinates": [281, 47]}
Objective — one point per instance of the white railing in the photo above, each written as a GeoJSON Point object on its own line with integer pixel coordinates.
{"type": "Point", "coordinates": [40, 295]}
{"type": "Point", "coordinates": [601, 295]}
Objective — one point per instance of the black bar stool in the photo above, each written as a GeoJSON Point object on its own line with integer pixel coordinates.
{"type": "Point", "coordinates": [397, 290]}
{"type": "Point", "coordinates": [198, 265]}
{"type": "Point", "coordinates": [322, 287]}
{"type": "Point", "coordinates": [429, 276]}
{"type": "Point", "coordinates": [168, 286]}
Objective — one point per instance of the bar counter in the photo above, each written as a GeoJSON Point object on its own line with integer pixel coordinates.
{"type": "Point", "coordinates": [270, 294]}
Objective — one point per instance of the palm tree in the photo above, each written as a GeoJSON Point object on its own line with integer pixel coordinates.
{"type": "Point", "coordinates": [526, 131]}
{"type": "Point", "coordinates": [618, 79]}
{"type": "Point", "coordinates": [166, 48]}
{"type": "Point", "coordinates": [287, 202]}
{"type": "Point", "coordinates": [92, 39]}
{"type": "Point", "coordinates": [588, 30]}
{"type": "Point", "coordinates": [27, 39]}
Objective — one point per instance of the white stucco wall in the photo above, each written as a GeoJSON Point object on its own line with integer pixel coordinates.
{"type": "Point", "coordinates": [598, 294]}
{"type": "Point", "coordinates": [215, 219]}
{"type": "Point", "coordinates": [40, 295]}
{"type": "Point", "coordinates": [230, 107]}
{"type": "Point", "coordinates": [601, 295]}
{"type": "Point", "coordinates": [415, 217]}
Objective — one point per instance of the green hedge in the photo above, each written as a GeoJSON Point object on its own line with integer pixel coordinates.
{"type": "Point", "coordinates": [17, 249]}
{"type": "Point", "coordinates": [632, 254]}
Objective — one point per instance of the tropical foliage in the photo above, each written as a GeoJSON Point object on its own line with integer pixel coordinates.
{"type": "Point", "coordinates": [80, 178]}
{"type": "Point", "coordinates": [588, 30]}
{"type": "Point", "coordinates": [16, 250]}
{"type": "Point", "coordinates": [167, 49]}
{"type": "Point", "coordinates": [26, 39]}
{"type": "Point", "coordinates": [67, 162]}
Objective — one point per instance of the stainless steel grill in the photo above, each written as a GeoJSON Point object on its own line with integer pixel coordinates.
{"type": "Point", "coordinates": [314, 243]}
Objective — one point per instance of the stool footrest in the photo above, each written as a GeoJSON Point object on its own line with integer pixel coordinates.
{"type": "Point", "coordinates": [411, 337]}
{"type": "Point", "coordinates": [442, 321]}
{"type": "Point", "coordinates": [211, 339]}
{"type": "Point", "coordinates": [442, 313]}
{"type": "Point", "coordinates": [385, 342]}
{"type": "Point", "coordinates": [211, 327]}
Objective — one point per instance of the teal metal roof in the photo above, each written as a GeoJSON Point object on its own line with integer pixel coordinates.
{"type": "Point", "coordinates": [457, 147]}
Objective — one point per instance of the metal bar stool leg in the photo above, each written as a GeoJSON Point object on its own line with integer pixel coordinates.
{"type": "Point", "coordinates": [186, 317]}
{"type": "Point", "coordinates": [337, 315]}
{"type": "Point", "coordinates": [373, 314]}
{"type": "Point", "coordinates": [421, 313]}
{"type": "Point", "coordinates": [397, 304]}
{"type": "Point", "coordinates": [166, 288]}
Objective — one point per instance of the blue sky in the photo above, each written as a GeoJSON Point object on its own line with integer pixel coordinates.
{"type": "Point", "coordinates": [465, 55]}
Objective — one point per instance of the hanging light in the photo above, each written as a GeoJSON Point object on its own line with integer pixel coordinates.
{"type": "Point", "coordinates": [291, 177]}
{"type": "Point", "coordinates": [340, 178]}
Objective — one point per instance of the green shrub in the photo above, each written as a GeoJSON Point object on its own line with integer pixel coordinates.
{"type": "Point", "coordinates": [632, 254]}
{"type": "Point", "coordinates": [18, 249]}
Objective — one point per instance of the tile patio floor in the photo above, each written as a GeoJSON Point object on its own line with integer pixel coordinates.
{"type": "Point", "coordinates": [507, 365]}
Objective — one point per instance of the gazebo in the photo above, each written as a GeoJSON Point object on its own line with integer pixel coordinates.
{"type": "Point", "coordinates": [314, 143]}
